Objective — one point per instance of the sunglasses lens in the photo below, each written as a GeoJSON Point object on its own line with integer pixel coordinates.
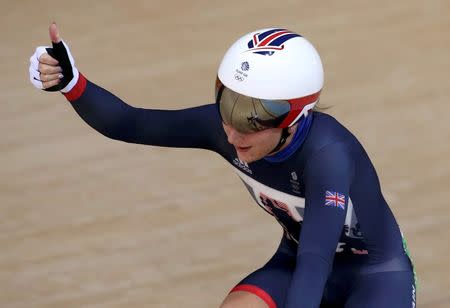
{"type": "Point", "coordinates": [247, 114]}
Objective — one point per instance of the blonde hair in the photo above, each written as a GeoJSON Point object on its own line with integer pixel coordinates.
{"type": "Point", "coordinates": [321, 108]}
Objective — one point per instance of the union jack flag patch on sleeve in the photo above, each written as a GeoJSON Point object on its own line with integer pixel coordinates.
{"type": "Point", "coordinates": [334, 199]}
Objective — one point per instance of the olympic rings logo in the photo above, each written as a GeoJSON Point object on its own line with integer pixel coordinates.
{"type": "Point", "coordinates": [239, 78]}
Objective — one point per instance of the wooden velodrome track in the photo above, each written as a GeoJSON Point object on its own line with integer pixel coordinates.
{"type": "Point", "coordinates": [90, 222]}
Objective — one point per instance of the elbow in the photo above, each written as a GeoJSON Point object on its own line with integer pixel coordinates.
{"type": "Point", "coordinates": [115, 132]}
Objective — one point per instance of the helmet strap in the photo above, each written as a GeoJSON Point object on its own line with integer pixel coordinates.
{"type": "Point", "coordinates": [284, 135]}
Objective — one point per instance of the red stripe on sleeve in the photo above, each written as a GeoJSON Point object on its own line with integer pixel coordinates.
{"type": "Point", "coordinates": [77, 90]}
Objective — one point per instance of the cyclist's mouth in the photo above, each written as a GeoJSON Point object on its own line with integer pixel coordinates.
{"type": "Point", "coordinates": [242, 149]}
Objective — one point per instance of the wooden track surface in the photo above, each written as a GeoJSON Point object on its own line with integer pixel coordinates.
{"type": "Point", "coordinates": [90, 222]}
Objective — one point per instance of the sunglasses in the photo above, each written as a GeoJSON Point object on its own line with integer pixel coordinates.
{"type": "Point", "coordinates": [248, 114]}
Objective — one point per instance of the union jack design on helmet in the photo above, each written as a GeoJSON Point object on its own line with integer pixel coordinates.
{"type": "Point", "coordinates": [267, 42]}
{"type": "Point", "coordinates": [255, 92]}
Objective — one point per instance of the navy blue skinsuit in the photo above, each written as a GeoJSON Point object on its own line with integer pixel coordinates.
{"type": "Point", "coordinates": [341, 245]}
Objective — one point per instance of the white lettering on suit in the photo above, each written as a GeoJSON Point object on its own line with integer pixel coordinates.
{"type": "Point", "coordinates": [280, 200]}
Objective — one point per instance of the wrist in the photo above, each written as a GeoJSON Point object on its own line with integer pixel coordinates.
{"type": "Point", "coordinates": [73, 82]}
{"type": "Point", "coordinates": [75, 88]}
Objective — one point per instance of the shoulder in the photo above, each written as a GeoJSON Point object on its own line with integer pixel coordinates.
{"type": "Point", "coordinates": [329, 144]}
{"type": "Point", "coordinates": [208, 111]}
{"type": "Point", "coordinates": [326, 126]}
{"type": "Point", "coordinates": [201, 117]}
{"type": "Point", "coordinates": [326, 130]}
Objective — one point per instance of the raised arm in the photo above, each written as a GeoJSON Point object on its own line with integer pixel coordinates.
{"type": "Point", "coordinates": [53, 69]}
{"type": "Point", "coordinates": [194, 127]}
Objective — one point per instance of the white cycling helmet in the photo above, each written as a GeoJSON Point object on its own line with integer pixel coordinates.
{"type": "Point", "coordinates": [268, 78]}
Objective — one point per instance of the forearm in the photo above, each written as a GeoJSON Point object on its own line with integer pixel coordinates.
{"type": "Point", "coordinates": [103, 111]}
{"type": "Point", "coordinates": [327, 186]}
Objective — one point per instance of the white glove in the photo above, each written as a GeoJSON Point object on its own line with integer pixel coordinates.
{"type": "Point", "coordinates": [61, 52]}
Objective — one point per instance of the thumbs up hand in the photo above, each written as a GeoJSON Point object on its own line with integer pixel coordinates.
{"type": "Point", "coordinates": [53, 68]}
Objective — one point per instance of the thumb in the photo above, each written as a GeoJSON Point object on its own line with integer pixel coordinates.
{"type": "Point", "coordinates": [54, 33]}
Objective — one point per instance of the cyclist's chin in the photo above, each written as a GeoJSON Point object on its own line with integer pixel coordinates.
{"type": "Point", "coordinates": [250, 155]}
